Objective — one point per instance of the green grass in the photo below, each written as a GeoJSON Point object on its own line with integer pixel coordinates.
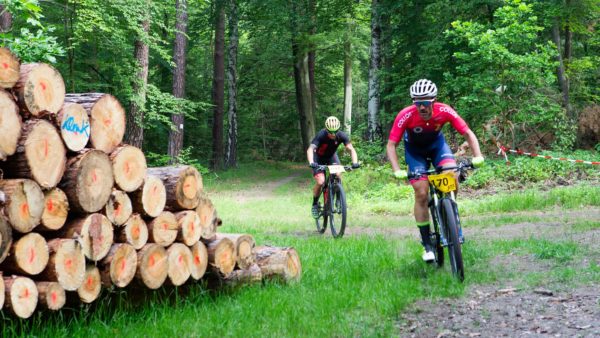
{"type": "Point", "coordinates": [356, 286]}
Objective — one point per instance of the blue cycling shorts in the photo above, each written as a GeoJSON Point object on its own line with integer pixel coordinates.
{"type": "Point", "coordinates": [420, 157]}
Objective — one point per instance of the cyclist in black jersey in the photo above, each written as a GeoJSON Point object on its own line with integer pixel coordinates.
{"type": "Point", "coordinates": [322, 151]}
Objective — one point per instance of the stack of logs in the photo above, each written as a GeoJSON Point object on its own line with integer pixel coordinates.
{"type": "Point", "coordinates": [80, 211]}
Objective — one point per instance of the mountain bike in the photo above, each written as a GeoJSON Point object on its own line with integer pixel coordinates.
{"type": "Point", "coordinates": [447, 230]}
{"type": "Point", "coordinates": [334, 207]}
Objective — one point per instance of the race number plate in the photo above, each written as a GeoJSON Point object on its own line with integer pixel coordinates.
{"type": "Point", "coordinates": [444, 182]}
{"type": "Point", "coordinates": [335, 169]}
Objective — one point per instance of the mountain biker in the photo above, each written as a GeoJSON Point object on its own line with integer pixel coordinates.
{"type": "Point", "coordinates": [420, 125]}
{"type": "Point", "coordinates": [322, 151]}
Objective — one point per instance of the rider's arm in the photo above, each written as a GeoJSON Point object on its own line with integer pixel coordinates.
{"type": "Point", "coordinates": [391, 154]}
{"type": "Point", "coordinates": [310, 152]}
{"type": "Point", "coordinates": [353, 154]}
{"type": "Point", "coordinates": [473, 143]}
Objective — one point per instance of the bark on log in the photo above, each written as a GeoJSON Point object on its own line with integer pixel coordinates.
{"type": "Point", "coordinates": [163, 229]}
{"type": "Point", "coordinates": [40, 155]}
{"type": "Point", "coordinates": [129, 167]}
{"type": "Point", "coordinates": [40, 89]}
{"type": "Point", "coordinates": [5, 240]}
{"type": "Point", "coordinates": [251, 275]}
{"type": "Point", "coordinates": [180, 260]}
{"type": "Point", "coordinates": [149, 200]}
{"type": "Point", "coordinates": [9, 68]}
{"type": "Point", "coordinates": [208, 216]}
{"type": "Point", "coordinates": [107, 119]}
{"type": "Point", "coordinates": [88, 181]}
{"type": "Point", "coordinates": [188, 227]}
{"type": "Point", "coordinates": [74, 125]}
{"type": "Point", "coordinates": [95, 233]}
{"type": "Point", "coordinates": [28, 255]}
{"type": "Point", "coordinates": [51, 295]}
{"type": "Point", "coordinates": [22, 203]}
{"type": "Point", "coordinates": [221, 255]}
{"type": "Point", "coordinates": [183, 185]}
{"type": "Point", "coordinates": [91, 287]}
{"type": "Point", "coordinates": [244, 249]}
{"type": "Point", "coordinates": [10, 128]}
{"type": "Point", "coordinates": [66, 264]}
{"type": "Point", "coordinates": [276, 262]}
{"type": "Point", "coordinates": [1, 291]}
{"type": "Point", "coordinates": [119, 266]}
{"type": "Point", "coordinates": [56, 210]}
{"type": "Point", "coordinates": [21, 296]}
{"type": "Point", "coordinates": [118, 209]}
{"type": "Point", "coordinates": [135, 232]}
{"type": "Point", "coordinates": [152, 265]}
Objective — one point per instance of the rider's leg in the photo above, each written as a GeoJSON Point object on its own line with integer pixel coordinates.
{"type": "Point", "coordinates": [421, 211]}
{"type": "Point", "coordinates": [319, 180]}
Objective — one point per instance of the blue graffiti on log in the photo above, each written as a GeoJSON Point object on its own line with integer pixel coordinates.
{"type": "Point", "coordinates": [72, 126]}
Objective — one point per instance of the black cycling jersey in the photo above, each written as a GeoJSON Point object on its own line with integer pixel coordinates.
{"type": "Point", "coordinates": [326, 146]}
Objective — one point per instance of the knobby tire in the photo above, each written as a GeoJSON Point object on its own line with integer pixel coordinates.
{"type": "Point", "coordinates": [435, 236]}
{"type": "Point", "coordinates": [321, 221]}
{"type": "Point", "coordinates": [454, 249]}
{"type": "Point", "coordinates": [337, 207]}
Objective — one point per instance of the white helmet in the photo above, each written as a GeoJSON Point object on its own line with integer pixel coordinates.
{"type": "Point", "coordinates": [423, 88]}
{"type": "Point", "coordinates": [332, 123]}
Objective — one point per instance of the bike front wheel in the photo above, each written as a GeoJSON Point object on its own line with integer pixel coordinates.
{"type": "Point", "coordinates": [337, 208]}
{"type": "Point", "coordinates": [435, 237]}
{"type": "Point", "coordinates": [321, 221]}
{"type": "Point", "coordinates": [454, 248]}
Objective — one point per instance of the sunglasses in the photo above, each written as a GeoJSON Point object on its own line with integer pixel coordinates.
{"type": "Point", "coordinates": [425, 103]}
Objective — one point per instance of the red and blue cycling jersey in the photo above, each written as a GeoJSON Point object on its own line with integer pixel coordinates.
{"type": "Point", "coordinates": [424, 143]}
{"type": "Point", "coordinates": [421, 132]}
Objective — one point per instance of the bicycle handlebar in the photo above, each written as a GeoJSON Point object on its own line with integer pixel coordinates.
{"type": "Point", "coordinates": [462, 166]}
{"type": "Point", "coordinates": [324, 167]}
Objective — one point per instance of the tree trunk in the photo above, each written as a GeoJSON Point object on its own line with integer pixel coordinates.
{"type": "Point", "coordinates": [563, 81]}
{"type": "Point", "coordinates": [199, 260]}
{"type": "Point", "coordinates": [51, 295]}
{"type": "Point", "coordinates": [218, 87]}
{"type": "Point", "coordinates": [275, 262]}
{"type": "Point", "coordinates": [312, 54]}
{"type": "Point", "coordinates": [5, 20]}
{"type": "Point", "coordinates": [231, 152]}
{"type": "Point", "coordinates": [152, 265]}
{"type": "Point", "coordinates": [348, 85]}
{"type": "Point", "coordinates": [208, 217]}
{"type": "Point", "coordinates": [163, 229]}
{"type": "Point", "coordinates": [92, 285]}
{"type": "Point", "coordinates": [221, 255]}
{"type": "Point", "coordinates": [10, 128]}
{"type": "Point", "coordinates": [129, 167]}
{"type": "Point", "coordinates": [94, 232]}
{"type": "Point", "coordinates": [179, 52]}
{"type": "Point", "coordinates": [88, 181]}
{"type": "Point", "coordinates": [180, 260]}
{"type": "Point", "coordinates": [244, 249]}
{"type": "Point", "coordinates": [183, 185]}
{"type": "Point", "coordinates": [40, 89]}
{"type": "Point", "coordinates": [374, 66]}
{"type": "Point", "coordinates": [21, 296]}
{"type": "Point", "coordinates": [5, 241]}
{"type": "Point", "coordinates": [74, 125]}
{"type": "Point", "coordinates": [66, 264]}
{"type": "Point", "coordinates": [188, 227]}
{"type": "Point", "coordinates": [9, 70]}
{"type": "Point", "coordinates": [135, 232]}
{"type": "Point", "coordinates": [22, 203]}
{"type": "Point", "coordinates": [40, 154]}
{"type": "Point", "coordinates": [107, 119]}
{"type": "Point", "coordinates": [119, 266]}
{"type": "Point", "coordinates": [118, 209]}
{"type": "Point", "coordinates": [134, 134]}
{"type": "Point", "coordinates": [149, 200]}
{"type": "Point", "coordinates": [28, 255]}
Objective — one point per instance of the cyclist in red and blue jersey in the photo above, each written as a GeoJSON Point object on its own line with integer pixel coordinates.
{"type": "Point", "coordinates": [322, 151]}
{"type": "Point", "coordinates": [420, 125]}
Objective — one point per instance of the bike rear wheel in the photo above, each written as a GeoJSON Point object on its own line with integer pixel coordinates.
{"type": "Point", "coordinates": [321, 221]}
{"type": "Point", "coordinates": [454, 248]}
{"type": "Point", "coordinates": [337, 208]}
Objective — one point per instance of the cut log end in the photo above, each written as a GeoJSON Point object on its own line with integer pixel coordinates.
{"type": "Point", "coordinates": [199, 260]}
{"type": "Point", "coordinates": [150, 199]}
{"type": "Point", "coordinates": [21, 296]}
{"type": "Point", "coordinates": [180, 260]}
{"type": "Point", "coordinates": [163, 229]}
{"type": "Point", "coordinates": [153, 265]}
{"type": "Point", "coordinates": [52, 295]}
{"type": "Point", "coordinates": [74, 125]}
{"type": "Point", "coordinates": [118, 208]}
{"type": "Point", "coordinates": [67, 263]}
{"type": "Point", "coordinates": [56, 210]}
{"type": "Point", "coordinates": [9, 68]}
{"type": "Point", "coordinates": [41, 89]}
{"type": "Point", "coordinates": [89, 291]}
{"type": "Point", "coordinates": [189, 227]}
{"type": "Point", "coordinates": [135, 232]}
{"type": "Point", "coordinates": [10, 128]}
{"type": "Point", "coordinates": [129, 167]}
{"type": "Point", "coordinates": [24, 203]}
{"type": "Point", "coordinates": [276, 262]}
{"type": "Point", "coordinates": [208, 215]}
{"type": "Point", "coordinates": [95, 232]}
{"type": "Point", "coordinates": [122, 265]}
{"type": "Point", "coordinates": [29, 255]}
{"type": "Point", "coordinates": [221, 255]}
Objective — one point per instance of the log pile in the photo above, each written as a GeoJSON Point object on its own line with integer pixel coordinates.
{"type": "Point", "coordinates": [80, 211]}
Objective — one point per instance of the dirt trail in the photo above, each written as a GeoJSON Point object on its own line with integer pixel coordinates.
{"type": "Point", "coordinates": [265, 191]}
